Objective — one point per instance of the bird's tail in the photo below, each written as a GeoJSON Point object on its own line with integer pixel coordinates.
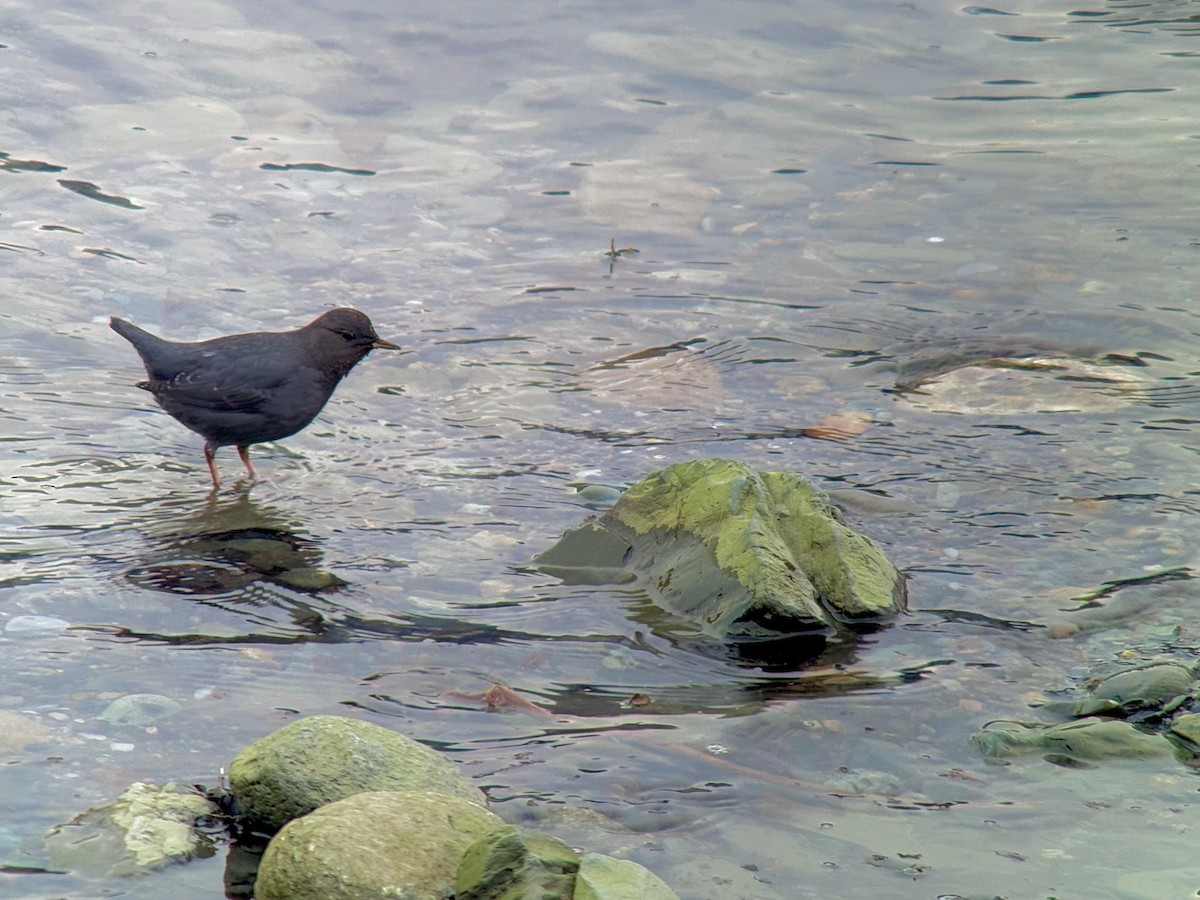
{"type": "Point", "coordinates": [131, 332]}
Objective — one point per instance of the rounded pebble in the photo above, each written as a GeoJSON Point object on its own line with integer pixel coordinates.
{"type": "Point", "coordinates": [35, 624]}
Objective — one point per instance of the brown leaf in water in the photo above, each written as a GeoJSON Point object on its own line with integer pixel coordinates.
{"type": "Point", "coordinates": [839, 427]}
{"type": "Point", "coordinates": [501, 696]}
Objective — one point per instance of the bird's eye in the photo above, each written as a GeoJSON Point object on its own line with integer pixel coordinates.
{"type": "Point", "coordinates": [347, 335]}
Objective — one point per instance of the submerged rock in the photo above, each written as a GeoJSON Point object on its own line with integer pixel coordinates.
{"type": "Point", "coordinates": [1027, 385]}
{"type": "Point", "coordinates": [140, 710]}
{"type": "Point", "coordinates": [509, 863]}
{"type": "Point", "coordinates": [743, 554]}
{"type": "Point", "coordinates": [1010, 374]}
{"type": "Point", "coordinates": [1154, 686]}
{"type": "Point", "coordinates": [605, 878]}
{"type": "Point", "coordinates": [373, 845]}
{"type": "Point", "coordinates": [1085, 740]}
{"type": "Point", "coordinates": [322, 759]}
{"type": "Point", "coordinates": [1141, 712]}
{"type": "Point", "coordinates": [1186, 729]}
{"type": "Point", "coordinates": [146, 829]}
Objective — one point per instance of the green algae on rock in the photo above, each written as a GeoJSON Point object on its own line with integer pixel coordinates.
{"type": "Point", "coordinates": [605, 878]}
{"type": "Point", "coordinates": [140, 710]}
{"type": "Point", "coordinates": [1153, 686]}
{"type": "Point", "coordinates": [322, 759]}
{"type": "Point", "coordinates": [1186, 731]}
{"type": "Point", "coordinates": [1139, 712]}
{"type": "Point", "coordinates": [1082, 741]}
{"type": "Point", "coordinates": [509, 863]}
{"type": "Point", "coordinates": [744, 554]}
{"type": "Point", "coordinates": [371, 845]}
{"type": "Point", "coordinates": [146, 829]}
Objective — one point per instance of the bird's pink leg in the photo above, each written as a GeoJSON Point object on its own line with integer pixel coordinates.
{"type": "Point", "coordinates": [210, 457]}
{"type": "Point", "coordinates": [244, 453]}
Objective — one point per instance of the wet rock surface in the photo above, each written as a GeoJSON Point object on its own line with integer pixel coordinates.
{"type": "Point", "coordinates": [742, 554]}
{"type": "Point", "coordinates": [322, 759]}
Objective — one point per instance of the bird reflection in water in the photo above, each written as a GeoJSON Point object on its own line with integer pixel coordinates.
{"type": "Point", "coordinates": [232, 547]}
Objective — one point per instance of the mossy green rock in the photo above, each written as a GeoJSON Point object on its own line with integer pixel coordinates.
{"type": "Point", "coordinates": [309, 578]}
{"type": "Point", "coordinates": [1187, 727]}
{"type": "Point", "coordinates": [605, 878]}
{"type": "Point", "coordinates": [1086, 740]}
{"type": "Point", "coordinates": [509, 863]}
{"type": "Point", "coordinates": [1150, 686]}
{"type": "Point", "coordinates": [744, 554]}
{"type": "Point", "coordinates": [322, 759]}
{"type": "Point", "coordinates": [140, 710]}
{"type": "Point", "coordinates": [147, 828]}
{"type": "Point", "coordinates": [405, 845]}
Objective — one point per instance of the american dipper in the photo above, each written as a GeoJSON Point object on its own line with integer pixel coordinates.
{"type": "Point", "coordinates": [249, 388]}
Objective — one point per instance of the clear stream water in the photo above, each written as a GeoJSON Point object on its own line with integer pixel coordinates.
{"type": "Point", "coordinates": [824, 197]}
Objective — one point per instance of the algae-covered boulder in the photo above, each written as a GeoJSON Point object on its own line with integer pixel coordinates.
{"type": "Point", "coordinates": [320, 759]}
{"type": "Point", "coordinates": [743, 554]}
{"type": "Point", "coordinates": [373, 845]}
{"type": "Point", "coordinates": [509, 863]}
{"type": "Point", "coordinates": [605, 878]}
{"type": "Point", "coordinates": [1084, 740]}
{"type": "Point", "coordinates": [1153, 686]}
{"type": "Point", "coordinates": [1186, 730]}
{"type": "Point", "coordinates": [147, 828]}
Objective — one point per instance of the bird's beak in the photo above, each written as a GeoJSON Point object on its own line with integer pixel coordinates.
{"type": "Point", "coordinates": [380, 344]}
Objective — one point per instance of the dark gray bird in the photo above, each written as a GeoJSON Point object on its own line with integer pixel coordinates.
{"type": "Point", "coordinates": [249, 388]}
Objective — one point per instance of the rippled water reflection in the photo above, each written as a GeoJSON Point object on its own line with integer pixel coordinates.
{"type": "Point", "coordinates": [833, 210]}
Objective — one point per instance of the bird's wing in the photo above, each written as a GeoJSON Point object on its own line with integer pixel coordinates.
{"type": "Point", "coordinates": [223, 384]}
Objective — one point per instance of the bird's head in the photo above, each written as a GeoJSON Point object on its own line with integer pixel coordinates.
{"type": "Point", "coordinates": [342, 337]}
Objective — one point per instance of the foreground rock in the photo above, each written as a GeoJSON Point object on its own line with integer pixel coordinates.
{"type": "Point", "coordinates": [605, 878]}
{"type": "Point", "coordinates": [743, 554]}
{"type": "Point", "coordinates": [511, 863]}
{"type": "Point", "coordinates": [1159, 687]}
{"type": "Point", "coordinates": [323, 759]}
{"type": "Point", "coordinates": [146, 829]}
{"type": "Point", "coordinates": [416, 844]}
{"type": "Point", "coordinates": [372, 845]}
{"type": "Point", "coordinates": [1141, 712]}
{"type": "Point", "coordinates": [419, 844]}
{"type": "Point", "coordinates": [1082, 741]}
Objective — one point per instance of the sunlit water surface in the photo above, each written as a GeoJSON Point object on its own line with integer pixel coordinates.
{"type": "Point", "coordinates": [825, 198]}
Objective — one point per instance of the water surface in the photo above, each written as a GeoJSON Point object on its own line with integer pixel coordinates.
{"type": "Point", "coordinates": [824, 198]}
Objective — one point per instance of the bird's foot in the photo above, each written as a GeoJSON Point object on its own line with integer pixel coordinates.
{"type": "Point", "coordinates": [244, 453]}
{"type": "Point", "coordinates": [210, 457]}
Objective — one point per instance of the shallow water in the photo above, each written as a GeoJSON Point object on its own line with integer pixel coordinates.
{"type": "Point", "coordinates": [823, 200]}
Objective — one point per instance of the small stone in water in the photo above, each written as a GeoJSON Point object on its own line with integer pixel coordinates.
{"type": "Point", "coordinates": [598, 494]}
{"type": "Point", "coordinates": [27, 624]}
{"type": "Point", "coordinates": [139, 709]}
